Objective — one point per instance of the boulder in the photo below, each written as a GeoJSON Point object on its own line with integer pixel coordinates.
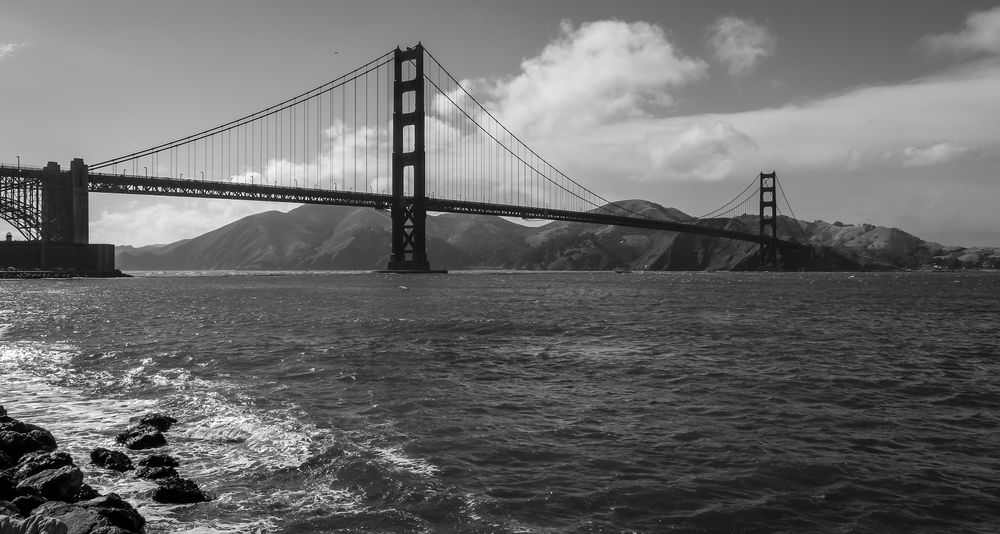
{"type": "Point", "coordinates": [38, 461]}
{"type": "Point", "coordinates": [11, 424]}
{"type": "Point", "coordinates": [17, 444]}
{"type": "Point", "coordinates": [159, 460]}
{"type": "Point", "coordinates": [177, 490]}
{"type": "Point", "coordinates": [77, 519]}
{"type": "Point", "coordinates": [43, 436]}
{"type": "Point", "coordinates": [159, 421]}
{"type": "Point", "coordinates": [5, 461]}
{"type": "Point", "coordinates": [155, 473]}
{"type": "Point", "coordinates": [7, 486]}
{"type": "Point", "coordinates": [86, 493]}
{"type": "Point", "coordinates": [109, 514]}
{"type": "Point", "coordinates": [26, 503]}
{"type": "Point", "coordinates": [32, 525]}
{"type": "Point", "coordinates": [138, 437]}
{"type": "Point", "coordinates": [62, 484]}
{"type": "Point", "coordinates": [3, 411]}
{"type": "Point", "coordinates": [8, 508]}
{"type": "Point", "coordinates": [114, 460]}
{"type": "Point", "coordinates": [118, 512]}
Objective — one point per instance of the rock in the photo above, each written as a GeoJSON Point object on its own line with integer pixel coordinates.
{"type": "Point", "coordinates": [141, 437]}
{"type": "Point", "coordinates": [154, 473]}
{"type": "Point", "coordinates": [62, 484]}
{"type": "Point", "coordinates": [38, 461]}
{"type": "Point", "coordinates": [78, 520]}
{"type": "Point", "coordinates": [159, 421]}
{"type": "Point", "coordinates": [32, 525]}
{"type": "Point", "coordinates": [26, 503]}
{"type": "Point", "coordinates": [17, 444]}
{"type": "Point", "coordinates": [7, 486]}
{"type": "Point", "coordinates": [11, 424]}
{"type": "Point", "coordinates": [5, 461]}
{"type": "Point", "coordinates": [44, 437]}
{"type": "Point", "coordinates": [8, 508]}
{"type": "Point", "coordinates": [109, 514]}
{"type": "Point", "coordinates": [114, 460]}
{"type": "Point", "coordinates": [110, 530]}
{"type": "Point", "coordinates": [86, 493]}
{"type": "Point", "coordinates": [3, 411]}
{"type": "Point", "coordinates": [177, 490]}
{"type": "Point", "coordinates": [117, 512]}
{"type": "Point", "coordinates": [159, 460]}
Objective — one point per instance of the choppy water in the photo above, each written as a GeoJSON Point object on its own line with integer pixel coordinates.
{"type": "Point", "coordinates": [498, 402]}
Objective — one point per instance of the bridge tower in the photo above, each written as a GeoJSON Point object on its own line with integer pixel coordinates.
{"type": "Point", "coordinates": [409, 213]}
{"type": "Point", "coordinates": [768, 220]}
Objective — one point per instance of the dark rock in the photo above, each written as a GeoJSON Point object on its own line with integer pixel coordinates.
{"type": "Point", "coordinates": [17, 444]}
{"type": "Point", "coordinates": [158, 420]}
{"type": "Point", "coordinates": [8, 508]}
{"type": "Point", "coordinates": [86, 493]}
{"type": "Point", "coordinates": [62, 484]}
{"type": "Point", "coordinates": [3, 411]}
{"type": "Point", "coordinates": [38, 461]}
{"type": "Point", "coordinates": [78, 520]}
{"type": "Point", "coordinates": [117, 512]}
{"type": "Point", "coordinates": [43, 436]}
{"type": "Point", "coordinates": [11, 424]}
{"type": "Point", "coordinates": [5, 461]}
{"type": "Point", "coordinates": [110, 530]}
{"type": "Point", "coordinates": [33, 524]}
{"type": "Point", "coordinates": [26, 503]}
{"type": "Point", "coordinates": [159, 460]}
{"type": "Point", "coordinates": [177, 490]}
{"type": "Point", "coordinates": [154, 473]}
{"type": "Point", "coordinates": [114, 460]}
{"type": "Point", "coordinates": [7, 486]}
{"type": "Point", "coordinates": [141, 437]}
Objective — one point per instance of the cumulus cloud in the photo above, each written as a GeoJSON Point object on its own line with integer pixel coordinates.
{"type": "Point", "coordinates": [707, 149]}
{"type": "Point", "coordinates": [8, 49]}
{"type": "Point", "coordinates": [979, 35]}
{"type": "Point", "coordinates": [599, 72]}
{"type": "Point", "coordinates": [943, 152]}
{"type": "Point", "coordinates": [740, 44]}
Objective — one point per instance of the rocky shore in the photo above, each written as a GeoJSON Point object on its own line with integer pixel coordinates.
{"type": "Point", "coordinates": [42, 490]}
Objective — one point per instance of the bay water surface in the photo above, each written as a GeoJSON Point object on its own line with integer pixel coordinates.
{"type": "Point", "coordinates": [529, 402]}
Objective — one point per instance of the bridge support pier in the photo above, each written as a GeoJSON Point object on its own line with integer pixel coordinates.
{"type": "Point", "coordinates": [409, 212]}
{"type": "Point", "coordinates": [768, 221]}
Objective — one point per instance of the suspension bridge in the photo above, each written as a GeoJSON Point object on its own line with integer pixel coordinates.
{"type": "Point", "coordinates": [399, 133]}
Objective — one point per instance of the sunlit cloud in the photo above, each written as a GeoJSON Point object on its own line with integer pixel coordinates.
{"type": "Point", "coordinates": [9, 49]}
{"type": "Point", "coordinates": [740, 44]}
{"type": "Point", "coordinates": [600, 72]}
{"type": "Point", "coordinates": [919, 156]}
{"type": "Point", "coordinates": [979, 35]}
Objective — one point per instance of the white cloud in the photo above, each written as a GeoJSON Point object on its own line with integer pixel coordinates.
{"type": "Point", "coordinates": [601, 72]}
{"type": "Point", "coordinates": [706, 149]}
{"type": "Point", "coordinates": [979, 35]}
{"type": "Point", "coordinates": [740, 44]}
{"type": "Point", "coordinates": [943, 152]}
{"type": "Point", "coordinates": [8, 49]}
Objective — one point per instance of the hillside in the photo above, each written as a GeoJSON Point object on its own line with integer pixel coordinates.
{"type": "Point", "coordinates": [337, 237]}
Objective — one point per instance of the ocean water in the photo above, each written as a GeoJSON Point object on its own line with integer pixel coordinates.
{"type": "Point", "coordinates": [529, 402]}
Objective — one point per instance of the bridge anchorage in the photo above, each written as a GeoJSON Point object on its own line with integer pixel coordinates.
{"type": "Point", "coordinates": [399, 134]}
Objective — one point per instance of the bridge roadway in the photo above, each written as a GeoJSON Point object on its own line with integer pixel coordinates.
{"type": "Point", "coordinates": [139, 185]}
{"type": "Point", "coordinates": [158, 186]}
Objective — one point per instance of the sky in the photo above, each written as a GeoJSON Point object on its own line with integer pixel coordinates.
{"type": "Point", "coordinates": [870, 112]}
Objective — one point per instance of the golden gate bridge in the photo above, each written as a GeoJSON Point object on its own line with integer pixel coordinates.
{"type": "Point", "coordinates": [399, 133]}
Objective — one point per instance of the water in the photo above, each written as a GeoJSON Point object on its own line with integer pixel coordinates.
{"type": "Point", "coordinates": [541, 402]}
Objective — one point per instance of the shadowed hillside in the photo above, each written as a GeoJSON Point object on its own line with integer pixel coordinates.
{"type": "Point", "coordinates": [337, 237]}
